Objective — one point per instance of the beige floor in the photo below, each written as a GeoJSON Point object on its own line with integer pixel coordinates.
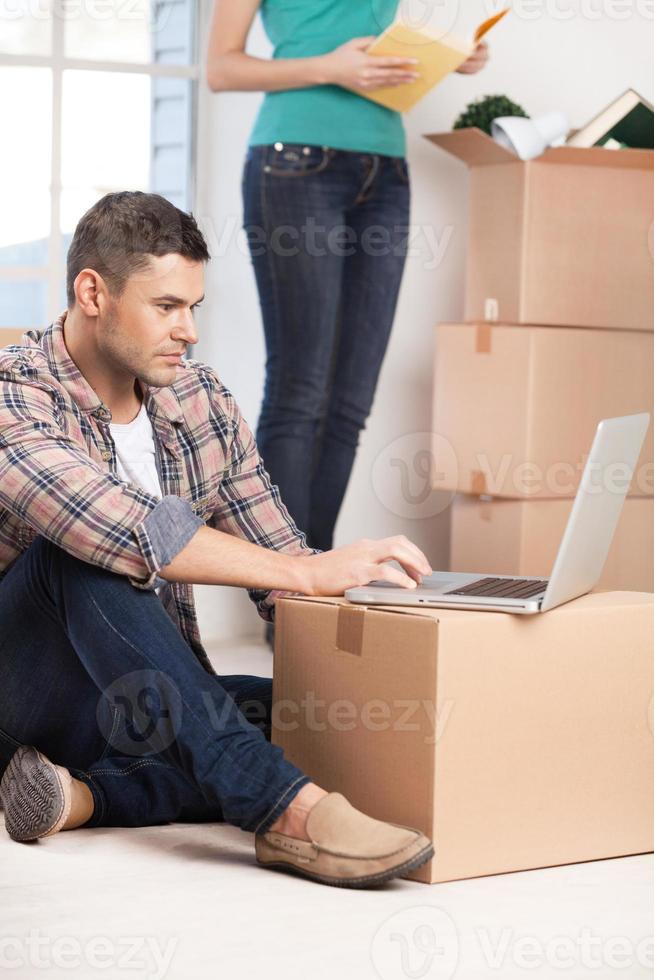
{"type": "Point", "coordinates": [189, 902]}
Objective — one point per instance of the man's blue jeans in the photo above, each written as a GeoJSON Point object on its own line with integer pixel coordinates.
{"type": "Point", "coordinates": [95, 674]}
{"type": "Point", "coordinates": [327, 231]}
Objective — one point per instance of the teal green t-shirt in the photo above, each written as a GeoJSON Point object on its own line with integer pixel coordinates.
{"type": "Point", "coordinates": [326, 115]}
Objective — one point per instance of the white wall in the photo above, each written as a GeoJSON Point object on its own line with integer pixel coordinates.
{"type": "Point", "coordinates": [555, 55]}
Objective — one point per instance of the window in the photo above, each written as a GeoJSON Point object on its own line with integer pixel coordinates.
{"type": "Point", "coordinates": [95, 96]}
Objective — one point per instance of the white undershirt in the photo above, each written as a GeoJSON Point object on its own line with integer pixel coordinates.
{"type": "Point", "coordinates": [135, 453]}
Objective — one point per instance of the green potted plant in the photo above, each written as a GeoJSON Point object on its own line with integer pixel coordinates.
{"type": "Point", "coordinates": [482, 111]}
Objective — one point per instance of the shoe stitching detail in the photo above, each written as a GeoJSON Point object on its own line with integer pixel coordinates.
{"type": "Point", "coordinates": [352, 857]}
{"type": "Point", "coordinates": [411, 865]}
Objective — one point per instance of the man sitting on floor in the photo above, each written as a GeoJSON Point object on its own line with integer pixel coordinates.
{"type": "Point", "coordinates": [126, 475]}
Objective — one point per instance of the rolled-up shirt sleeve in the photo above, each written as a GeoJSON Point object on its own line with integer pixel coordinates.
{"type": "Point", "coordinates": [165, 531]}
{"type": "Point", "coordinates": [48, 480]}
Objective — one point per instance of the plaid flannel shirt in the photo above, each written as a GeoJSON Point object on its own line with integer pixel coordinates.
{"type": "Point", "coordinates": [58, 474]}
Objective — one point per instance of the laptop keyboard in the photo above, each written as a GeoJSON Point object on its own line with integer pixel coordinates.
{"type": "Point", "coordinates": [502, 588]}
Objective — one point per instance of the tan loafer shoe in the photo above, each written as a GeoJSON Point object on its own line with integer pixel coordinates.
{"type": "Point", "coordinates": [347, 847]}
{"type": "Point", "coordinates": [36, 795]}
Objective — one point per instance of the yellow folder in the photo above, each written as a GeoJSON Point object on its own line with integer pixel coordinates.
{"type": "Point", "coordinates": [437, 57]}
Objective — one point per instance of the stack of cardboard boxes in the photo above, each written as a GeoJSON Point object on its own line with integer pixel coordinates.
{"type": "Point", "coordinates": [10, 335]}
{"type": "Point", "coordinates": [559, 334]}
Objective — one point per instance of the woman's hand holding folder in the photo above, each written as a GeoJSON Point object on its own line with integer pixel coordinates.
{"type": "Point", "coordinates": [476, 61]}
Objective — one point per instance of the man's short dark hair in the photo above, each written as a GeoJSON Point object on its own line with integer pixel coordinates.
{"type": "Point", "coordinates": [121, 231]}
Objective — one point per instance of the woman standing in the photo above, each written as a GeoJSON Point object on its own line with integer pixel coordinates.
{"type": "Point", "coordinates": [326, 203]}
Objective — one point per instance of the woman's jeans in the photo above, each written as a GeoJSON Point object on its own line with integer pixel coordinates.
{"type": "Point", "coordinates": [327, 231]}
{"type": "Point", "coordinates": [94, 673]}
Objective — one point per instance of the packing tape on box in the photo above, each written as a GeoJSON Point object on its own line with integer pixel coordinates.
{"type": "Point", "coordinates": [491, 309]}
{"type": "Point", "coordinates": [349, 629]}
{"type": "Point", "coordinates": [483, 338]}
{"type": "Point", "coordinates": [478, 483]}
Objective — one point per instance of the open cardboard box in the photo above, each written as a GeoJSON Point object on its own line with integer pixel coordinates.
{"type": "Point", "coordinates": [565, 239]}
{"type": "Point", "coordinates": [522, 537]}
{"type": "Point", "coordinates": [513, 742]}
{"type": "Point", "coordinates": [516, 407]}
{"type": "Point", "coordinates": [10, 335]}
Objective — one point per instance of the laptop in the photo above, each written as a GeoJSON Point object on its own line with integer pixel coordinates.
{"type": "Point", "coordinates": [582, 553]}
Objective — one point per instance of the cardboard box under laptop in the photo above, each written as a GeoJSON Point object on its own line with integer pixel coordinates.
{"type": "Point", "coordinates": [10, 335]}
{"type": "Point", "coordinates": [563, 239]}
{"type": "Point", "coordinates": [522, 537]}
{"type": "Point", "coordinates": [515, 407]}
{"type": "Point", "coordinates": [514, 742]}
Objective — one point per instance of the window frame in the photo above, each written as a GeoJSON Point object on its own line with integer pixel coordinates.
{"type": "Point", "coordinates": [58, 62]}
